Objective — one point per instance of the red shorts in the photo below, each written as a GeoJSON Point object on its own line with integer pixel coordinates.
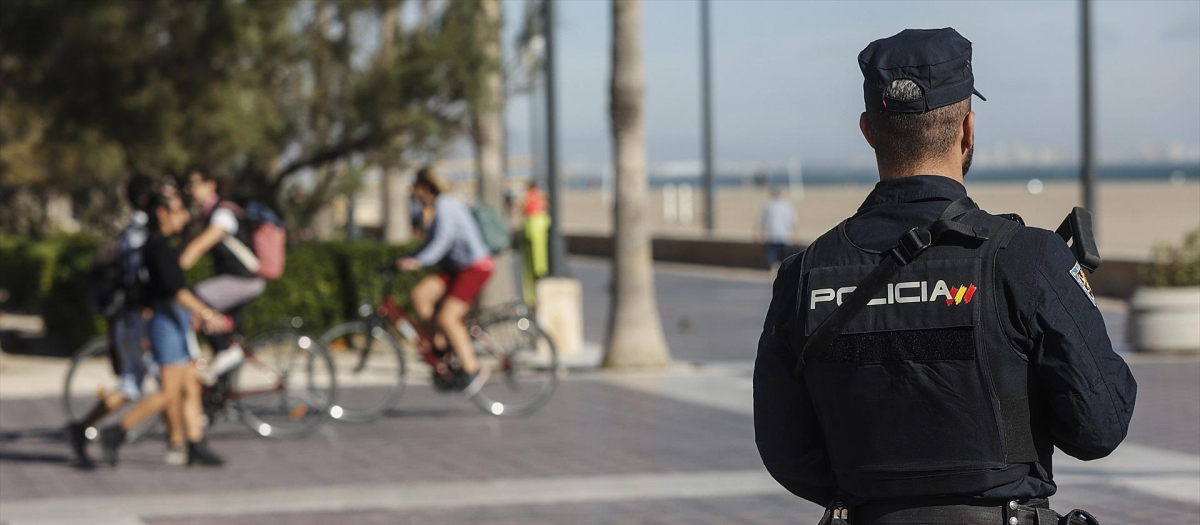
{"type": "Point", "coordinates": [467, 282]}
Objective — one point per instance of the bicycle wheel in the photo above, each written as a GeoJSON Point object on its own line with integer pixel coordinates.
{"type": "Point", "coordinates": [370, 365]}
{"type": "Point", "coordinates": [522, 364]}
{"type": "Point", "coordinates": [90, 378]}
{"type": "Point", "coordinates": [285, 387]}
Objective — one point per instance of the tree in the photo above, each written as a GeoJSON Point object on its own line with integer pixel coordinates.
{"type": "Point", "coordinates": [396, 226]}
{"type": "Point", "coordinates": [265, 91]}
{"type": "Point", "coordinates": [487, 133]}
{"type": "Point", "coordinates": [635, 336]}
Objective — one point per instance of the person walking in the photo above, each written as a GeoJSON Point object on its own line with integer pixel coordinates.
{"type": "Point", "coordinates": [776, 226]}
{"type": "Point", "coordinates": [172, 343]}
{"type": "Point", "coordinates": [920, 362]}
{"type": "Point", "coordinates": [127, 326]}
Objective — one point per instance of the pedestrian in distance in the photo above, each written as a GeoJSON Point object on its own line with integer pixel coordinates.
{"type": "Point", "coordinates": [535, 236]}
{"type": "Point", "coordinates": [920, 362]}
{"type": "Point", "coordinates": [777, 225]}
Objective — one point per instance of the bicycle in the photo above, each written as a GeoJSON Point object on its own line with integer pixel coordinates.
{"type": "Point", "coordinates": [265, 396]}
{"type": "Point", "coordinates": [521, 360]}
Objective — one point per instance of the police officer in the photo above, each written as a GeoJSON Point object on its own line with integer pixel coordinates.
{"type": "Point", "coordinates": [921, 360]}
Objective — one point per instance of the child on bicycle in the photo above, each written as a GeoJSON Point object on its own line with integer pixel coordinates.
{"type": "Point", "coordinates": [233, 284]}
{"type": "Point", "coordinates": [172, 342]}
{"type": "Point", "coordinates": [455, 244]}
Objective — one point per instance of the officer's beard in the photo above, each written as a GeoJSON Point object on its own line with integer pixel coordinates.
{"type": "Point", "coordinates": [967, 161]}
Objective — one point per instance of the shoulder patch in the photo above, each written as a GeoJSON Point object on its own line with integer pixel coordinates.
{"type": "Point", "coordinates": [1080, 276]}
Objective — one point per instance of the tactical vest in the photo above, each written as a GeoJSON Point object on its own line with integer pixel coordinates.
{"type": "Point", "coordinates": [921, 394]}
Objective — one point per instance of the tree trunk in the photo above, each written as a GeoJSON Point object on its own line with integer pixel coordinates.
{"type": "Point", "coordinates": [635, 336]}
{"type": "Point", "coordinates": [487, 130]}
{"type": "Point", "coordinates": [394, 201]}
{"type": "Point", "coordinates": [393, 189]}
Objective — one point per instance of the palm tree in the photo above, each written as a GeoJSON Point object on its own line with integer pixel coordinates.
{"type": "Point", "coordinates": [487, 132]}
{"type": "Point", "coordinates": [635, 335]}
{"type": "Point", "coordinates": [396, 225]}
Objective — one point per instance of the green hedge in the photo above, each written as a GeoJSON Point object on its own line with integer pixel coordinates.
{"type": "Point", "coordinates": [323, 284]}
{"type": "Point", "coordinates": [1175, 265]}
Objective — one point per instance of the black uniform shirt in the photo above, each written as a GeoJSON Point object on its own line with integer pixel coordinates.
{"type": "Point", "coordinates": [1088, 389]}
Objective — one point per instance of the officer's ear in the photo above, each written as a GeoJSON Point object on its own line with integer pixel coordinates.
{"type": "Point", "coordinates": [968, 129]}
{"type": "Point", "coordinates": [865, 127]}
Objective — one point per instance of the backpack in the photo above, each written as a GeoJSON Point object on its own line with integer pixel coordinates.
{"type": "Point", "coordinates": [267, 253]}
{"type": "Point", "coordinates": [495, 232]}
{"type": "Point", "coordinates": [117, 277]}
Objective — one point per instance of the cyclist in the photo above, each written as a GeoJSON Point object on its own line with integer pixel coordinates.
{"type": "Point", "coordinates": [127, 326]}
{"type": "Point", "coordinates": [234, 284]}
{"type": "Point", "coordinates": [455, 244]}
{"type": "Point", "coordinates": [172, 342]}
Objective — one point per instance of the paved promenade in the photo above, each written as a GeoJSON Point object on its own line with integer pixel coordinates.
{"type": "Point", "coordinates": [669, 447]}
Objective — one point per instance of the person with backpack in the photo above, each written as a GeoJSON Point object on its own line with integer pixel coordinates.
{"type": "Point", "coordinates": [247, 247]}
{"type": "Point", "coordinates": [456, 244]}
{"type": "Point", "coordinates": [114, 289]}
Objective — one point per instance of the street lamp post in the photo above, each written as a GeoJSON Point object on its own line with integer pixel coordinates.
{"type": "Point", "coordinates": [557, 247]}
{"type": "Point", "coordinates": [1087, 161]}
{"type": "Point", "coordinates": [706, 141]}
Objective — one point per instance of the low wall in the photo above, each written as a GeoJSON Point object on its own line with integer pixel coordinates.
{"type": "Point", "coordinates": [1115, 278]}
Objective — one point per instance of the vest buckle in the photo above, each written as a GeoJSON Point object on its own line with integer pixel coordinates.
{"type": "Point", "coordinates": [911, 244]}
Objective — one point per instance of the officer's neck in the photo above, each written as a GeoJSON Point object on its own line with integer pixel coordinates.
{"type": "Point", "coordinates": [948, 167]}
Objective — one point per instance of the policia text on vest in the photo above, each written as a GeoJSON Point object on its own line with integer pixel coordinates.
{"type": "Point", "coordinates": [921, 361]}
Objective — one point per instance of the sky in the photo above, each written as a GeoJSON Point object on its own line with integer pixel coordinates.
{"type": "Point", "coordinates": [786, 83]}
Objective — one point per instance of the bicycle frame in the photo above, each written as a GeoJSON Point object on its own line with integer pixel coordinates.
{"type": "Point", "coordinates": [234, 395]}
{"type": "Point", "coordinates": [390, 310]}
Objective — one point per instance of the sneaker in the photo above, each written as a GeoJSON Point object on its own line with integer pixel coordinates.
{"type": "Point", "coordinates": [200, 454]}
{"type": "Point", "coordinates": [76, 435]}
{"type": "Point", "coordinates": [176, 456]}
{"type": "Point", "coordinates": [111, 439]}
{"type": "Point", "coordinates": [472, 384]}
{"type": "Point", "coordinates": [224, 361]}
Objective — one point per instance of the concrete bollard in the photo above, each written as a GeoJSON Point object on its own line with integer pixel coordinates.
{"type": "Point", "coordinates": [560, 313]}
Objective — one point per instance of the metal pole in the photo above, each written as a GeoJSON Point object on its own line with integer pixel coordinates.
{"type": "Point", "coordinates": [558, 267]}
{"type": "Point", "coordinates": [706, 141]}
{"type": "Point", "coordinates": [1087, 160]}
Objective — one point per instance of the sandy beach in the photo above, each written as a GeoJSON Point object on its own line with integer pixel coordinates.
{"type": "Point", "coordinates": [1131, 217]}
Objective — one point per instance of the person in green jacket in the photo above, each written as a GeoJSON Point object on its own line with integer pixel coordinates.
{"type": "Point", "coordinates": [535, 256]}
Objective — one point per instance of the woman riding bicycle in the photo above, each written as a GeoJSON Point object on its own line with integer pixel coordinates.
{"type": "Point", "coordinates": [455, 244]}
{"type": "Point", "coordinates": [169, 329]}
{"type": "Point", "coordinates": [233, 284]}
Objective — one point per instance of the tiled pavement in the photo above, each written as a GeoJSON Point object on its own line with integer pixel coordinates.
{"type": "Point", "coordinates": [1111, 506]}
{"type": "Point", "coordinates": [593, 427]}
{"type": "Point", "coordinates": [630, 428]}
{"type": "Point", "coordinates": [588, 428]}
{"type": "Point", "coordinates": [764, 510]}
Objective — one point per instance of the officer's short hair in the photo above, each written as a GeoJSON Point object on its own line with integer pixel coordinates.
{"type": "Point", "coordinates": [904, 139]}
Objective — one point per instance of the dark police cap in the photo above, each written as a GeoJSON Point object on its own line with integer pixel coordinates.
{"type": "Point", "coordinates": [938, 61]}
